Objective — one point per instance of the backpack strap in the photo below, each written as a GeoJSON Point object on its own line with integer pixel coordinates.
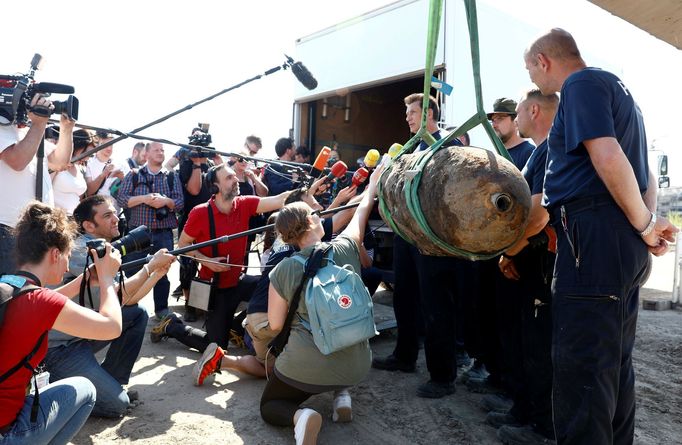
{"type": "Point", "coordinates": [312, 265]}
{"type": "Point", "coordinates": [26, 361]}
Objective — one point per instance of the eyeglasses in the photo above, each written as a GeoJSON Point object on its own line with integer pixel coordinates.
{"type": "Point", "coordinates": [501, 117]}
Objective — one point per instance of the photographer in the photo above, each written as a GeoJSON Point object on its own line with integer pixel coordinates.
{"type": "Point", "coordinates": [44, 235]}
{"type": "Point", "coordinates": [198, 137]}
{"type": "Point", "coordinates": [70, 356]}
{"type": "Point", "coordinates": [101, 173]}
{"type": "Point", "coordinates": [195, 191]}
{"type": "Point", "coordinates": [153, 195]}
{"type": "Point", "coordinates": [18, 167]}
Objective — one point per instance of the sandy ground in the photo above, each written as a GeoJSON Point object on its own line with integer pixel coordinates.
{"type": "Point", "coordinates": [385, 408]}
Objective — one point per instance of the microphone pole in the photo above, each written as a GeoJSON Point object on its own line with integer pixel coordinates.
{"type": "Point", "coordinates": [94, 150]}
{"type": "Point", "coordinates": [226, 238]}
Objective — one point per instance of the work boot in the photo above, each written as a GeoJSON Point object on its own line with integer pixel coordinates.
{"type": "Point", "coordinates": [500, 419]}
{"type": "Point", "coordinates": [496, 402]}
{"type": "Point", "coordinates": [522, 435]}
{"type": "Point", "coordinates": [435, 390]}
{"type": "Point", "coordinates": [391, 363]}
{"type": "Point", "coordinates": [477, 371]}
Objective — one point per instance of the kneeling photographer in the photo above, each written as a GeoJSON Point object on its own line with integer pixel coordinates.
{"type": "Point", "coordinates": [70, 356]}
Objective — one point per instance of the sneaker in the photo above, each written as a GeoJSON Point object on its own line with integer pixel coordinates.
{"type": "Point", "coordinates": [522, 435]}
{"type": "Point", "coordinates": [483, 386]}
{"type": "Point", "coordinates": [496, 402]}
{"type": "Point", "coordinates": [307, 427]}
{"type": "Point", "coordinates": [158, 332]}
{"type": "Point", "coordinates": [477, 371]}
{"type": "Point", "coordinates": [500, 419]}
{"type": "Point", "coordinates": [462, 359]}
{"type": "Point", "coordinates": [435, 390]}
{"type": "Point", "coordinates": [391, 363]}
{"type": "Point", "coordinates": [208, 364]}
{"type": "Point", "coordinates": [343, 411]}
{"type": "Point", "coordinates": [162, 313]}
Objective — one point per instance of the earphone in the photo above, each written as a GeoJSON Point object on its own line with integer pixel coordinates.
{"type": "Point", "coordinates": [211, 178]}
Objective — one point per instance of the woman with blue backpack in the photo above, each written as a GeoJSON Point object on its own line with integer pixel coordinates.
{"type": "Point", "coordinates": [317, 358]}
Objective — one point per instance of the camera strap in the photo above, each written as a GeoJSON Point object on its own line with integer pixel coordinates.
{"type": "Point", "coordinates": [211, 232]}
{"type": "Point", "coordinates": [85, 284]}
{"type": "Point", "coordinates": [40, 156]}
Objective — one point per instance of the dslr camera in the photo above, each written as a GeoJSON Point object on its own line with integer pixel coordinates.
{"type": "Point", "coordinates": [137, 239]}
{"type": "Point", "coordinates": [199, 137]}
{"type": "Point", "coordinates": [16, 93]}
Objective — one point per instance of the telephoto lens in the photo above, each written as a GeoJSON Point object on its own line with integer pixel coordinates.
{"type": "Point", "coordinates": [137, 239]}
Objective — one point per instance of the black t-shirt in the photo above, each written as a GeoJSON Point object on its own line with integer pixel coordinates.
{"type": "Point", "coordinates": [185, 172]}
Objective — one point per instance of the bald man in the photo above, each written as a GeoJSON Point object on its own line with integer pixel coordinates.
{"type": "Point", "coordinates": [600, 196]}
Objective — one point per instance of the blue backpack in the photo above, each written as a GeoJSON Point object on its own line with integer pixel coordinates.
{"type": "Point", "coordinates": [339, 306]}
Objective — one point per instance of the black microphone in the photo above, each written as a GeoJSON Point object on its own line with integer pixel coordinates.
{"type": "Point", "coordinates": [302, 74]}
{"type": "Point", "coordinates": [57, 88]}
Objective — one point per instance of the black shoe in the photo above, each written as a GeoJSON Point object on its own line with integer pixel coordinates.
{"type": "Point", "coordinates": [477, 371]}
{"type": "Point", "coordinates": [483, 386]}
{"type": "Point", "coordinates": [177, 293]}
{"type": "Point", "coordinates": [524, 435]}
{"type": "Point", "coordinates": [435, 390]}
{"type": "Point", "coordinates": [462, 359]}
{"type": "Point", "coordinates": [190, 314]}
{"type": "Point", "coordinates": [500, 419]}
{"type": "Point", "coordinates": [391, 363]}
{"type": "Point", "coordinates": [496, 402]}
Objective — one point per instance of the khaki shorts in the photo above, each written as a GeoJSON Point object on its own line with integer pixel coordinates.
{"type": "Point", "coordinates": [259, 329]}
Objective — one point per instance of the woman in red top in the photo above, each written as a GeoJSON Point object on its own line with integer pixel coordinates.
{"type": "Point", "coordinates": [44, 235]}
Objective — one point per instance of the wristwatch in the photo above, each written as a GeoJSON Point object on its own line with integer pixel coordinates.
{"type": "Point", "coordinates": [649, 228]}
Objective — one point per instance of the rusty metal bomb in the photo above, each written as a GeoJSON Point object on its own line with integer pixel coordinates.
{"type": "Point", "coordinates": [471, 198]}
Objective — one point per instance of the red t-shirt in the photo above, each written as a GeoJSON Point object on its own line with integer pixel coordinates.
{"type": "Point", "coordinates": [243, 208]}
{"type": "Point", "coordinates": [26, 318]}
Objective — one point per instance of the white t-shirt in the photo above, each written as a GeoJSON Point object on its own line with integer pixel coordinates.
{"type": "Point", "coordinates": [68, 190]}
{"type": "Point", "coordinates": [94, 169]}
{"type": "Point", "coordinates": [18, 188]}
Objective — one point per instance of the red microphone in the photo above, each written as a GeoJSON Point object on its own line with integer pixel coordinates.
{"type": "Point", "coordinates": [321, 161]}
{"type": "Point", "coordinates": [360, 176]}
{"type": "Point", "coordinates": [338, 170]}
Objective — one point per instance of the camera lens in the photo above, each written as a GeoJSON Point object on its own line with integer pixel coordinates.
{"type": "Point", "coordinates": [136, 240]}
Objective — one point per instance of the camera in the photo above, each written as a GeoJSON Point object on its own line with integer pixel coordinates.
{"type": "Point", "coordinates": [161, 213]}
{"type": "Point", "coordinates": [137, 239]}
{"type": "Point", "coordinates": [16, 93]}
{"type": "Point", "coordinates": [201, 138]}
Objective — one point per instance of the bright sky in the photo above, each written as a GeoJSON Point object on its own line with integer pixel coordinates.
{"type": "Point", "coordinates": [132, 62]}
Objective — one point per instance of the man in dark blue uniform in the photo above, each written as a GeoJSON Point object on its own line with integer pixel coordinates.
{"type": "Point", "coordinates": [598, 194]}
{"type": "Point", "coordinates": [424, 294]}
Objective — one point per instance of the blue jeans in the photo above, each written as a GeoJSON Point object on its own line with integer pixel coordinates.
{"type": "Point", "coordinates": [64, 407]}
{"type": "Point", "coordinates": [160, 239]}
{"type": "Point", "coordinates": [78, 359]}
{"type": "Point", "coordinates": [7, 245]}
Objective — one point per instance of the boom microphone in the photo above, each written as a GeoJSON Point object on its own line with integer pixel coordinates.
{"type": "Point", "coordinates": [338, 170]}
{"type": "Point", "coordinates": [321, 161]}
{"type": "Point", "coordinates": [57, 88]}
{"type": "Point", "coordinates": [302, 74]}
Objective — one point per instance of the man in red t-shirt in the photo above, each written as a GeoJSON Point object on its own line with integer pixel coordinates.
{"type": "Point", "coordinates": [231, 214]}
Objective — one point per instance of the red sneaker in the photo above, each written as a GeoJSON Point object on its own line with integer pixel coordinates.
{"type": "Point", "coordinates": [208, 364]}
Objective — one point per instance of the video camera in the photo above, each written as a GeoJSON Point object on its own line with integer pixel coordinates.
{"type": "Point", "coordinates": [16, 93]}
{"type": "Point", "coordinates": [137, 239]}
{"type": "Point", "coordinates": [201, 138]}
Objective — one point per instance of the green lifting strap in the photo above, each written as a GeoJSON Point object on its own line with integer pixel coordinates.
{"type": "Point", "coordinates": [418, 163]}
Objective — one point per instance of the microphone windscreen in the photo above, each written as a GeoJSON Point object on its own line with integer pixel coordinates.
{"type": "Point", "coordinates": [372, 158]}
{"type": "Point", "coordinates": [338, 170]}
{"type": "Point", "coordinates": [394, 150]}
{"type": "Point", "coordinates": [360, 176]}
{"type": "Point", "coordinates": [322, 158]}
{"type": "Point", "coordinates": [304, 76]}
{"type": "Point", "coordinates": [49, 87]}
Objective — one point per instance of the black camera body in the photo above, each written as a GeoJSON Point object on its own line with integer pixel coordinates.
{"type": "Point", "coordinates": [200, 139]}
{"type": "Point", "coordinates": [137, 239]}
{"type": "Point", "coordinates": [161, 213]}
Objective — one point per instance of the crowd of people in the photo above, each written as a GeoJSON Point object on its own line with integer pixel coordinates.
{"type": "Point", "coordinates": [546, 329]}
